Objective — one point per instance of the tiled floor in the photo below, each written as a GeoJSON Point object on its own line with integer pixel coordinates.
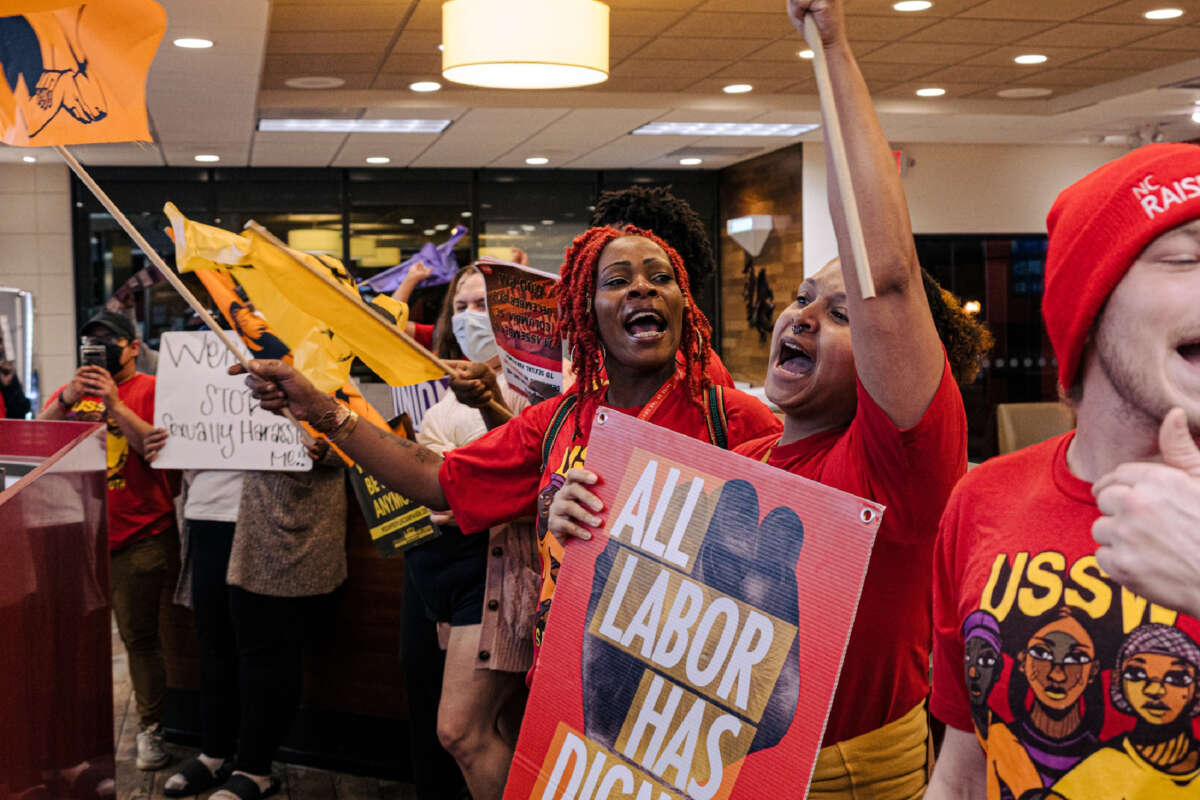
{"type": "Point", "coordinates": [298, 783]}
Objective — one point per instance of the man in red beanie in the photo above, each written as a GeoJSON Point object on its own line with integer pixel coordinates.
{"type": "Point", "coordinates": [1088, 544]}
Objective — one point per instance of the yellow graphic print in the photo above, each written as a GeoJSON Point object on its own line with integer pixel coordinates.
{"type": "Point", "coordinates": [1059, 730]}
{"type": "Point", "coordinates": [118, 456]}
{"type": "Point", "coordinates": [548, 546]}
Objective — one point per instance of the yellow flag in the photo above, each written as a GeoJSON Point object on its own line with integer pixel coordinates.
{"type": "Point", "coordinates": [75, 72]}
{"type": "Point", "coordinates": [318, 287]}
{"type": "Point", "coordinates": [319, 355]}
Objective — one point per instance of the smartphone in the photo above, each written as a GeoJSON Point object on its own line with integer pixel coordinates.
{"type": "Point", "coordinates": [91, 354]}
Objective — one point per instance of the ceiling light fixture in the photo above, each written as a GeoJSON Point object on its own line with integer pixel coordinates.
{"type": "Point", "coordinates": [425, 86]}
{"type": "Point", "coordinates": [537, 161]}
{"type": "Point", "coordinates": [737, 88]}
{"type": "Point", "coordinates": [912, 5]}
{"type": "Point", "coordinates": [1031, 58]}
{"type": "Point", "coordinates": [1195, 119]}
{"type": "Point", "coordinates": [207, 158]}
{"type": "Point", "coordinates": [690, 162]}
{"type": "Point", "coordinates": [429, 231]}
{"type": "Point", "coordinates": [407, 221]}
{"type": "Point", "coordinates": [378, 160]}
{"type": "Point", "coordinates": [1164, 13]}
{"type": "Point", "coordinates": [547, 222]}
{"type": "Point", "coordinates": [806, 54]}
{"type": "Point", "coordinates": [441, 226]}
{"type": "Point", "coordinates": [931, 91]}
{"type": "Point", "coordinates": [353, 125]}
{"type": "Point", "coordinates": [525, 44]}
{"type": "Point", "coordinates": [314, 82]}
{"type": "Point", "coordinates": [193, 43]}
{"type": "Point", "coordinates": [465, 215]}
{"type": "Point", "coordinates": [29, 159]}
{"type": "Point", "coordinates": [1023, 92]}
{"type": "Point", "coordinates": [724, 129]}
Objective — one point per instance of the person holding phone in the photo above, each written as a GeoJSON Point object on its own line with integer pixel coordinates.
{"type": "Point", "coordinates": [142, 536]}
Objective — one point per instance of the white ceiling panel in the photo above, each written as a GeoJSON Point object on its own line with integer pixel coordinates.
{"type": "Point", "coordinates": [578, 133]}
{"type": "Point", "coordinates": [119, 155]}
{"type": "Point", "coordinates": [295, 149]}
{"type": "Point", "coordinates": [631, 151]}
{"type": "Point", "coordinates": [182, 154]}
{"type": "Point", "coordinates": [401, 148]}
{"type": "Point", "coordinates": [484, 134]}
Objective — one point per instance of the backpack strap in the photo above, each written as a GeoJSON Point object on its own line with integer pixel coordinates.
{"type": "Point", "coordinates": [556, 422]}
{"type": "Point", "coordinates": [718, 420]}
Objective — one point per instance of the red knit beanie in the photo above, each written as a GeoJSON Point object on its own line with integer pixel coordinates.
{"type": "Point", "coordinates": [1099, 225]}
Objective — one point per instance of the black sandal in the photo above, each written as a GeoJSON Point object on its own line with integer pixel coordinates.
{"type": "Point", "coordinates": [247, 789]}
{"type": "Point", "coordinates": [199, 778]}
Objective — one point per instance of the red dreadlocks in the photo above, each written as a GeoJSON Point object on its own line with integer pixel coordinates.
{"type": "Point", "coordinates": [577, 315]}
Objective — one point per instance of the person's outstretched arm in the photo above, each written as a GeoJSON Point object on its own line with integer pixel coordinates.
{"type": "Point", "coordinates": [897, 352]}
{"type": "Point", "coordinates": [960, 770]}
{"type": "Point", "coordinates": [401, 464]}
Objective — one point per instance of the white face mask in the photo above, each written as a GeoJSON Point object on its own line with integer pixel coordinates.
{"type": "Point", "coordinates": [473, 332]}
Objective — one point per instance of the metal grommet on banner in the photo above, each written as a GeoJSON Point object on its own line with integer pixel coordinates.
{"type": "Point", "coordinates": [867, 516]}
{"type": "Point", "coordinates": [601, 417]}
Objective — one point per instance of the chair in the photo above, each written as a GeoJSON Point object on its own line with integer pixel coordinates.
{"type": "Point", "coordinates": [1022, 424]}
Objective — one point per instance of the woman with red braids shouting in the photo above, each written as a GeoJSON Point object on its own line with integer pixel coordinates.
{"type": "Point", "coordinates": [625, 310]}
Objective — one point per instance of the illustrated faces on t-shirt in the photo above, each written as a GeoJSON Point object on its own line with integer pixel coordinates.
{"type": "Point", "coordinates": [1147, 338]}
{"type": "Point", "coordinates": [1101, 669]}
{"type": "Point", "coordinates": [638, 305]}
{"type": "Point", "coordinates": [810, 371]}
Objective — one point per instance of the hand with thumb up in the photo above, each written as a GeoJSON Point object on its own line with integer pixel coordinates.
{"type": "Point", "coordinates": [1149, 529]}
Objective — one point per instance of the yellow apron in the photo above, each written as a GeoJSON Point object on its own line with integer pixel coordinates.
{"type": "Point", "coordinates": [889, 763]}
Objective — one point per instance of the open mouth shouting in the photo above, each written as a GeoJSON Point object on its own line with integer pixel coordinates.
{"type": "Point", "coordinates": [794, 358]}
{"type": "Point", "coordinates": [1189, 351]}
{"type": "Point", "coordinates": [645, 325]}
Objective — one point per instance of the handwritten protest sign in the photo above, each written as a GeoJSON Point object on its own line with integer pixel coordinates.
{"type": "Point", "coordinates": [524, 314]}
{"type": "Point", "coordinates": [695, 642]}
{"type": "Point", "coordinates": [211, 419]}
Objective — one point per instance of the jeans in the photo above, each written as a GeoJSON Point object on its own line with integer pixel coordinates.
{"type": "Point", "coordinates": [141, 575]}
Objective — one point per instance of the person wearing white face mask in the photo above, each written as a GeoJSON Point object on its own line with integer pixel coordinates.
{"type": "Point", "coordinates": [454, 574]}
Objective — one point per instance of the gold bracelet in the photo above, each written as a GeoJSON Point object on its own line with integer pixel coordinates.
{"type": "Point", "coordinates": [346, 428]}
{"type": "Point", "coordinates": [331, 420]}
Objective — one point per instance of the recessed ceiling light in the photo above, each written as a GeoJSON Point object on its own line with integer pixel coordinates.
{"type": "Point", "coordinates": [931, 91]}
{"type": "Point", "coordinates": [536, 161]}
{"type": "Point", "coordinates": [353, 125]}
{"type": "Point", "coordinates": [465, 214]}
{"type": "Point", "coordinates": [737, 88]}
{"type": "Point", "coordinates": [806, 54]}
{"type": "Point", "coordinates": [690, 162]}
{"type": "Point", "coordinates": [207, 158]}
{"type": "Point", "coordinates": [407, 221]}
{"type": "Point", "coordinates": [724, 129]}
{"type": "Point", "coordinates": [528, 228]}
{"type": "Point", "coordinates": [429, 231]}
{"type": "Point", "coordinates": [1195, 118]}
{"type": "Point", "coordinates": [378, 160]}
{"type": "Point", "coordinates": [912, 5]}
{"type": "Point", "coordinates": [513, 232]}
{"type": "Point", "coordinates": [425, 86]}
{"type": "Point", "coordinates": [314, 82]}
{"type": "Point", "coordinates": [547, 222]}
{"type": "Point", "coordinates": [1031, 58]}
{"type": "Point", "coordinates": [29, 159]}
{"type": "Point", "coordinates": [441, 47]}
{"type": "Point", "coordinates": [1023, 92]}
{"type": "Point", "coordinates": [1164, 13]}
{"type": "Point", "coordinates": [193, 43]}
{"type": "Point", "coordinates": [441, 226]}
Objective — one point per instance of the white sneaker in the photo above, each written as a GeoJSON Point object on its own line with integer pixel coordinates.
{"type": "Point", "coordinates": [150, 752]}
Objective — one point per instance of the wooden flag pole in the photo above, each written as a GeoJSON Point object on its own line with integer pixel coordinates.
{"type": "Point", "coordinates": [166, 271]}
{"type": "Point", "coordinates": [394, 329]}
{"type": "Point", "coordinates": [841, 164]}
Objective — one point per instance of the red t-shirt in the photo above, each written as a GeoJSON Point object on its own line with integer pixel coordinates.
{"type": "Point", "coordinates": [140, 499]}
{"type": "Point", "coordinates": [423, 334]}
{"type": "Point", "coordinates": [1049, 660]}
{"type": "Point", "coordinates": [886, 669]}
{"type": "Point", "coordinates": [500, 477]}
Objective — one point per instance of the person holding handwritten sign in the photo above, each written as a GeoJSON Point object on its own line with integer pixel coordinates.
{"type": "Point", "coordinates": [625, 311]}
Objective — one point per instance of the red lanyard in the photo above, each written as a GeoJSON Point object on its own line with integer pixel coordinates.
{"type": "Point", "coordinates": [657, 400]}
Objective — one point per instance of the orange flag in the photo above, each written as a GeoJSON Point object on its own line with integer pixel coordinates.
{"type": "Point", "coordinates": [75, 72]}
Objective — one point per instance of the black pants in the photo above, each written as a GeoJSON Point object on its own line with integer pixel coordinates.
{"type": "Point", "coordinates": [209, 544]}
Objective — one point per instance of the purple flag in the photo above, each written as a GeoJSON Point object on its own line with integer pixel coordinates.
{"type": "Point", "coordinates": [438, 257]}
